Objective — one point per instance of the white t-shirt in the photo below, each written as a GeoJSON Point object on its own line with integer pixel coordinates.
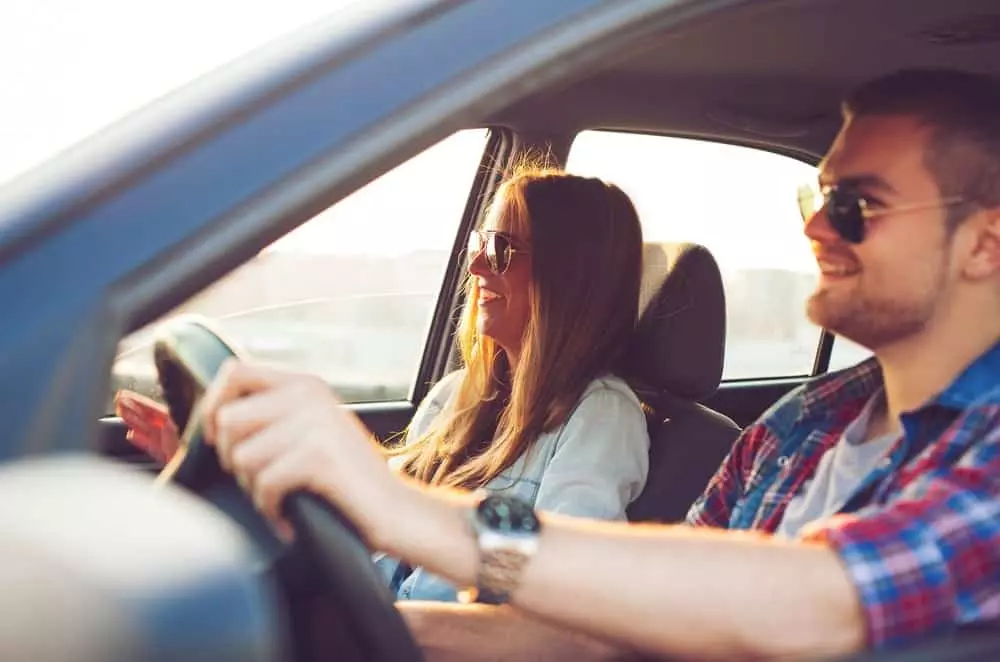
{"type": "Point", "coordinates": [839, 474]}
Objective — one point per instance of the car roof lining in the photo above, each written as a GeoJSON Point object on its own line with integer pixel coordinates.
{"type": "Point", "coordinates": [753, 91]}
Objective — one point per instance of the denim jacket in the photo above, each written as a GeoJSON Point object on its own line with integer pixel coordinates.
{"type": "Point", "coordinates": [592, 466]}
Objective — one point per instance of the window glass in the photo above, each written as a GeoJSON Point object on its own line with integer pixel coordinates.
{"type": "Point", "coordinates": [846, 354]}
{"type": "Point", "coordinates": [740, 203]}
{"type": "Point", "coordinates": [348, 295]}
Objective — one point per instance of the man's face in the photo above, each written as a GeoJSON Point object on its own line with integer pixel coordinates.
{"type": "Point", "coordinates": [892, 284]}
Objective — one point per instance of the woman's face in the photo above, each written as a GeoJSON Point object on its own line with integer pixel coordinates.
{"type": "Point", "coordinates": [502, 299]}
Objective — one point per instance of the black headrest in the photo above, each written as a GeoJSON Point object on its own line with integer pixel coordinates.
{"type": "Point", "coordinates": [679, 344]}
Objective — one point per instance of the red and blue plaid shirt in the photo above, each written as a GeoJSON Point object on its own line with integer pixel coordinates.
{"type": "Point", "coordinates": [920, 539]}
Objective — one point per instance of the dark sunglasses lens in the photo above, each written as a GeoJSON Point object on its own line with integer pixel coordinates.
{"type": "Point", "coordinates": [481, 244]}
{"type": "Point", "coordinates": [498, 252]}
{"type": "Point", "coordinates": [496, 248]}
{"type": "Point", "coordinates": [846, 216]}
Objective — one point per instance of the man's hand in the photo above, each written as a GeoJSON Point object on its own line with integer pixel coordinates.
{"type": "Point", "coordinates": [279, 432]}
{"type": "Point", "coordinates": [666, 590]}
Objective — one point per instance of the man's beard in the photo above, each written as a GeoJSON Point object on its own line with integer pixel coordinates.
{"type": "Point", "coordinates": [875, 321]}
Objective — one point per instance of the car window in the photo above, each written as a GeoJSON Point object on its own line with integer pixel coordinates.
{"type": "Point", "coordinates": [348, 295]}
{"type": "Point", "coordinates": [740, 203]}
{"type": "Point", "coordinates": [846, 353]}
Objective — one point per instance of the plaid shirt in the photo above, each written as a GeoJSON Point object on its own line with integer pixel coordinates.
{"type": "Point", "coordinates": [920, 538]}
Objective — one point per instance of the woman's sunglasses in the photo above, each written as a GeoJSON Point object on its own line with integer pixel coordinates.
{"type": "Point", "coordinates": [497, 247]}
{"type": "Point", "coordinates": [849, 210]}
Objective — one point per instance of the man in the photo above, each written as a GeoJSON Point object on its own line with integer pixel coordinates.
{"type": "Point", "coordinates": [870, 498]}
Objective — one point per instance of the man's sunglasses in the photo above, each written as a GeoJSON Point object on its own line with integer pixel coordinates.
{"type": "Point", "coordinates": [849, 210]}
{"type": "Point", "coordinates": [497, 247]}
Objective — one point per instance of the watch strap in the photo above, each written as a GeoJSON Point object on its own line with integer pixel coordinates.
{"type": "Point", "coordinates": [499, 573]}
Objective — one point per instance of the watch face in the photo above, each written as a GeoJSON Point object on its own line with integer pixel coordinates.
{"type": "Point", "coordinates": [506, 514]}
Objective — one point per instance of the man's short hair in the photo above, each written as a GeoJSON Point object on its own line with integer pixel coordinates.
{"type": "Point", "coordinates": [962, 110]}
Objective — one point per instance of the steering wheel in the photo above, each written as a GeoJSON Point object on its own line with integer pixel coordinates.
{"type": "Point", "coordinates": [188, 354]}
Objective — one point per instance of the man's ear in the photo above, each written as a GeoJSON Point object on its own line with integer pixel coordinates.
{"type": "Point", "coordinates": [984, 261]}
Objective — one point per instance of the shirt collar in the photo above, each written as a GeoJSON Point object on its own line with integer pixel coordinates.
{"type": "Point", "coordinates": [860, 383]}
{"type": "Point", "coordinates": [841, 389]}
{"type": "Point", "coordinates": [980, 378]}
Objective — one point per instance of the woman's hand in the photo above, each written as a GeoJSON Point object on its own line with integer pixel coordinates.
{"type": "Point", "coordinates": [279, 432]}
{"type": "Point", "coordinates": [150, 428]}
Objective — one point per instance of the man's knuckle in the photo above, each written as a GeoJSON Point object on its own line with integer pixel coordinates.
{"type": "Point", "coordinates": [266, 486]}
{"type": "Point", "coordinates": [229, 367]}
{"type": "Point", "coordinates": [240, 460]}
{"type": "Point", "coordinates": [225, 417]}
{"type": "Point", "coordinates": [304, 386]}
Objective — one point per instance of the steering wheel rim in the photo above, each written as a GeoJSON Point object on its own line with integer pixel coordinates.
{"type": "Point", "coordinates": [188, 353]}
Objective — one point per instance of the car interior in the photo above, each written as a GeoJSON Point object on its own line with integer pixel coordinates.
{"type": "Point", "coordinates": [767, 75]}
{"type": "Point", "coordinates": [776, 86]}
{"type": "Point", "coordinates": [677, 354]}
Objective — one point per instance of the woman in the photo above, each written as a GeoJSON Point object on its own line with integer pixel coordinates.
{"type": "Point", "coordinates": [536, 411]}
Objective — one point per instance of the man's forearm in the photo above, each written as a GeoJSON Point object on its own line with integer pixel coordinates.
{"type": "Point", "coordinates": [671, 590]}
{"type": "Point", "coordinates": [448, 632]}
{"type": "Point", "coordinates": [694, 592]}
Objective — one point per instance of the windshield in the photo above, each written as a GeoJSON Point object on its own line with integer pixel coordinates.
{"type": "Point", "coordinates": [70, 68]}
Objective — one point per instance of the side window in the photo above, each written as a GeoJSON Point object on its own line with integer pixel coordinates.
{"type": "Point", "coordinates": [348, 295]}
{"type": "Point", "coordinates": [846, 354]}
{"type": "Point", "coordinates": [740, 203]}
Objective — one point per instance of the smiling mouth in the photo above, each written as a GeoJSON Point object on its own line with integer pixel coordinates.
{"type": "Point", "coordinates": [487, 296]}
{"type": "Point", "coordinates": [837, 269]}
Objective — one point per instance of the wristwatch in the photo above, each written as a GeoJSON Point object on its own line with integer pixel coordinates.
{"type": "Point", "coordinates": [506, 529]}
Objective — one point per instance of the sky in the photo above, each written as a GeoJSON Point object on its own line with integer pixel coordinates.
{"type": "Point", "coordinates": [71, 67]}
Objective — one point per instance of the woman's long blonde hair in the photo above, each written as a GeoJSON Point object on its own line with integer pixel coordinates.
{"type": "Point", "coordinates": [586, 267]}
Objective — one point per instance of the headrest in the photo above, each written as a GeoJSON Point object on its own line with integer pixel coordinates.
{"type": "Point", "coordinates": [679, 343]}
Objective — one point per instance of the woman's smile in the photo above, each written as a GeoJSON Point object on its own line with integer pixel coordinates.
{"type": "Point", "coordinates": [487, 296]}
